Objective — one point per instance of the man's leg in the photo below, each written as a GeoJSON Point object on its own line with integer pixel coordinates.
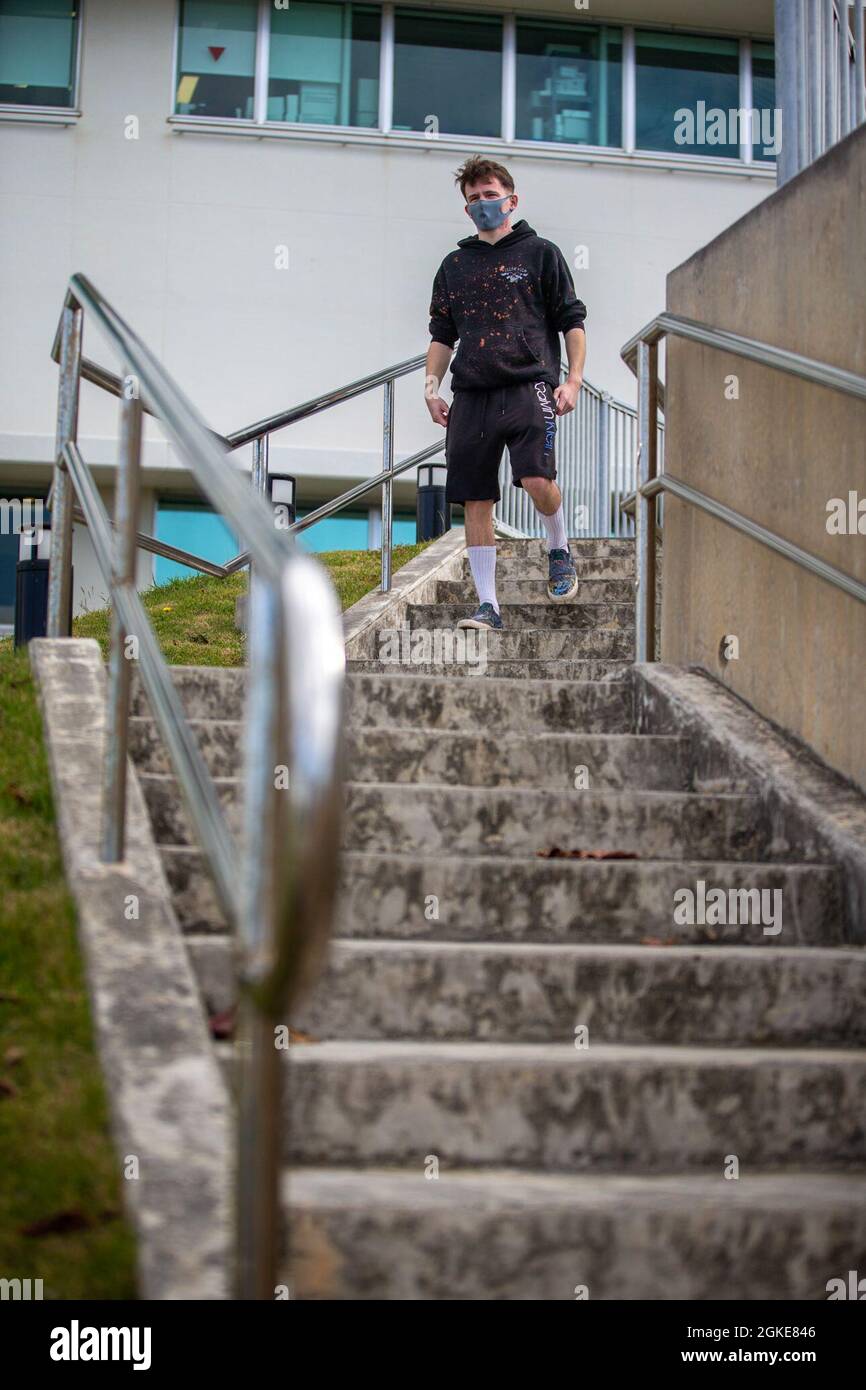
{"type": "Point", "coordinates": [548, 503]}
{"type": "Point", "coordinates": [531, 445]}
{"type": "Point", "coordinates": [481, 549]}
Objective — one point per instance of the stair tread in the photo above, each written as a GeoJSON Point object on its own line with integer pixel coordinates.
{"type": "Point", "coordinates": [515, 1188]}
{"type": "Point", "coordinates": [364, 1052]}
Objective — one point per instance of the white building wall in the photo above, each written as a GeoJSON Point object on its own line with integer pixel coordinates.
{"type": "Point", "coordinates": [180, 232]}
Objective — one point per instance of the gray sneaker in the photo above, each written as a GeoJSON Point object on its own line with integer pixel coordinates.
{"type": "Point", "coordinates": [485, 615]}
{"type": "Point", "coordinates": [562, 580]}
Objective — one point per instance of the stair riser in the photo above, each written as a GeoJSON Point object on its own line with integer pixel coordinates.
{"type": "Point", "coordinates": [519, 706]}
{"type": "Point", "coordinates": [594, 547]}
{"type": "Point", "coordinates": [450, 649]}
{"type": "Point", "coordinates": [628, 1250]}
{"type": "Point", "coordinates": [417, 755]}
{"type": "Point", "coordinates": [705, 996]}
{"type": "Point", "coordinates": [533, 901]}
{"type": "Point", "coordinates": [428, 700]}
{"type": "Point", "coordinates": [579, 1115]}
{"type": "Point", "coordinates": [499, 821]}
{"type": "Point", "coordinates": [534, 592]}
{"type": "Point", "coordinates": [493, 671]}
{"type": "Point", "coordinates": [502, 821]}
{"type": "Point", "coordinates": [552, 617]}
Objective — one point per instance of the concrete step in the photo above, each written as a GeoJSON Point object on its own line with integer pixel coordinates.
{"type": "Point", "coordinates": [593, 547]}
{"type": "Point", "coordinates": [524, 705]}
{"type": "Point", "coordinates": [525, 899]}
{"type": "Point", "coordinates": [647, 762]}
{"type": "Point", "coordinates": [549, 617]}
{"type": "Point", "coordinates": [542, 696]}
{"type": "Point", "coordinates": [207, 692]}
{"type": "Point", "coordinates": [504, 1234]}
{"type": "Point", "coordinates": [744, 996]}
{"type": "Point", "coordinates": [557, 1107]}
{"type": "Point", "coordinates": [442, 644]}
{"type": "Point", "coordinates": [220, 741]}
{"type": "Point", "coordinates": [534, 591]}
{"type": "Point", "coordinates": [507, 820]}
{"type": "Point", "coordinates": [535, 569]}
{"type": "Point", "coordinates": [585, 672]}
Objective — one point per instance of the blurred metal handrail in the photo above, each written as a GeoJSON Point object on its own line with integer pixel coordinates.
{"type": "Point", "coordinates": [640, 354]}
{"type": "Point", "coordinates": [277, 890]}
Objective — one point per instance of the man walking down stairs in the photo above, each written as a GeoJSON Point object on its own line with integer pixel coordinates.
{"type": "Point", "coordinates": [525, 1073]}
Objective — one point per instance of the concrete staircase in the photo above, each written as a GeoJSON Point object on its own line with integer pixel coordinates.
{"type": "Point", "coordinates": [524, 1079]}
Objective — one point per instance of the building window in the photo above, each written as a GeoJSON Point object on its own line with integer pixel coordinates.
{"type": "Point", "coordinates": [447, 73]}
{"type": "Point", "coordinates": [217, 58]}
{"type": "Point", "coordinates": [37, 52]}
{"type": "Point", "coordinates": [675, 73]}
{"type": "Point", "coordinates": [569, 83]}
{"type": "Point", "coordinates": [318, 63]}
{"type": "Point", "coordinates": [764, 100]}
{"type": "Point", "coordinates": [324, 64]}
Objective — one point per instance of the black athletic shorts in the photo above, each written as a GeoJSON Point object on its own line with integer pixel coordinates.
{"type": "Point", "coordinates": [481, 423]}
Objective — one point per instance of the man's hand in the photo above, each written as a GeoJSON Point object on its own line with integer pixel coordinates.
{"type": "Point", "coordinates": [438, 410]}
{"type": "Point", "coordinates": [565, 395]}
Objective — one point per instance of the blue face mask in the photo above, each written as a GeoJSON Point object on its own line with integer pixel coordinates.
{"type": "Point", "coordinates": [487, 213]}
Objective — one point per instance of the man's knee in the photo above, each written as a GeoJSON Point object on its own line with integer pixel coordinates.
{"type": "Point", "coordinates": [544, 493]}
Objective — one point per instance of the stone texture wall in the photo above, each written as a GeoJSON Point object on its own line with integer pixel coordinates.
{"type": "Point", "coordinates": [789, 273]}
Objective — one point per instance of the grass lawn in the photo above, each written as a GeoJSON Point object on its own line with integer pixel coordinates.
{"type": "Point", "coordinates": [60, 1187]}
{"type": "Point", "coordinates": [194, 619]}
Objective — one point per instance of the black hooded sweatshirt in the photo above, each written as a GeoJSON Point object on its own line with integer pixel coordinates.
{"type": "Point", "coordinates": [507, 302]}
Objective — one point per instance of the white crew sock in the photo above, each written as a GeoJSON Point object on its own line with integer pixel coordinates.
{"type": "Point", "coordinates": [482, 562]}
{"type": "Point", "coordinates": [554, 525]}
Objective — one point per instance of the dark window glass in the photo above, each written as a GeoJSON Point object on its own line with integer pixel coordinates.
{"type": "Point", "coordinates": [447, 67]}
{"type": "Point", "coordinates": [764, 102]}
{"type": "Point", "coordinates": [569, 83]}
{"type": "Point", "coordinates": [37, 52]}
{"type": "Point", "coordinates": [324, 64]}
{"type": "Point", "coordinates": [217, 58]}
{"type": "Point", "coordinates": [677, 72]}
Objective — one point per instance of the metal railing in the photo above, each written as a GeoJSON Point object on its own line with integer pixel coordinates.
{"type": "Point", "coordinates": [640, 354]}
{"type": "Point", "coordinates": [277, 888]}
{"type": "Point", "coordinates": [820, 78]}
{"type": "Point", "coordinates": [596, 448]}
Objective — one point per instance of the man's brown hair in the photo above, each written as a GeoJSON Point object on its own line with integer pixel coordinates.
{"type": "Point", "coordinates": [478, 168]}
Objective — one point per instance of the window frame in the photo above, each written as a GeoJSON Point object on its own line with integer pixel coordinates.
{"type": "Point", "coordinates": [54, 115]}
{"type": "Point", "coordinates": [628, 153]}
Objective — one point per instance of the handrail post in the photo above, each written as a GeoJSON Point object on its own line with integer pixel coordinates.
{"type": "Point", "coordinates": [119, 662]}
{"type": "Point", "coordinates": [259, 476]}
{"type": "Point", "coordinates": [603, 476]}
{"type": "Point", "coordinates": [388, 485]}
{"type": "Point", "coordinates": [60, 564]}
{"type": "Point", "coordinates": [645, 509]}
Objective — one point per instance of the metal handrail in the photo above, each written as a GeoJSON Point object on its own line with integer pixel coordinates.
{"type": "Point", "coordinates": [278, 889]}
{"type": "Point", "coordinates": [640, 354]}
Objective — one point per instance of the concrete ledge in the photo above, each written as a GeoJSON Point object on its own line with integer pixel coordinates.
{"type": "Point", "coordinates": [169, 1103]}
{"type": "Point", "coordinates": [811, 807]}
{"type": "Point", "coordinates": [414, 583]}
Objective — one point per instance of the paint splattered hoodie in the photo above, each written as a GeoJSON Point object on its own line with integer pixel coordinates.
{"type": "Point", "coordinates": [507, 303]}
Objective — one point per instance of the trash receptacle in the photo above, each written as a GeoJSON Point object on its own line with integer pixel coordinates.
{"type": "Point", "coordinates": [433, 513]}
{"type": "Point", "coordinates": [31, 582]}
